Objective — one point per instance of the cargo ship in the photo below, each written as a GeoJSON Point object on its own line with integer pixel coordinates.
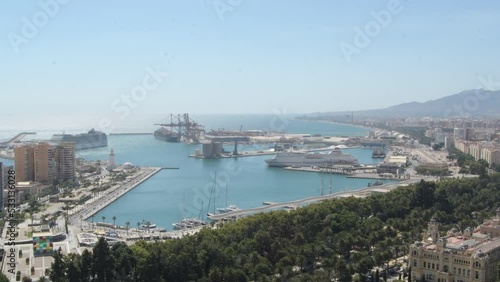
{"type": "Point", "coordinates": [301, 159]}
{"type": "Point", "coordinates": [167, 135]}
{"type": "Point", "coordinates": [91, 139]}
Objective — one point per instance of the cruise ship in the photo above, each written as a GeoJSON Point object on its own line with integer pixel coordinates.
{"type": "Point", "coordinates": [91, 139]}
{"type": "Point", "coordinates": [301, 159]}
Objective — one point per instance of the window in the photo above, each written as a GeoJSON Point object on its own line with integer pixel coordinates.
{"type": "Point", "coordinates": [477, 275]}
{"type": "Point", "coordinates": [445, 268]}
{"type": "Point", "coordinates": [415, 262]}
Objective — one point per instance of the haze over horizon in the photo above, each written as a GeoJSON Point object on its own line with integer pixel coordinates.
{"type": "Point", "coordinates": [248, 57]}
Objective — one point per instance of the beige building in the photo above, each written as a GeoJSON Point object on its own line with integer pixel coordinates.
{"type": "Point", "coordinates": [491, 155]}
{"type": "Point", "coordinates": [471, 256]}
{"type": "Point", "coordinates": [25, 162]}
{"type": "Point", "coordinates": [44, 162]}
{"type": "Point", "coordinates": [488, 151]}
{"type": "Point", "coordinates": [45, 167]}
{"type": "Point", "coordinates": [65, 160]}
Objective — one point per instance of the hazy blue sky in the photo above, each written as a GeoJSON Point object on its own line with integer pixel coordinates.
{"type": "Point", "coordinates": [254, 57]}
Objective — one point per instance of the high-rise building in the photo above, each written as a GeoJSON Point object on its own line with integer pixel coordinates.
{"type": "Point", "coordinates": [4, 182]}
{"type": "Point", "coordinates": [45, 162]}
{"type": "Point", "coordinates": [25, 162]}
{"type": "Point", "coordinates": [65, 161]}
{"type": "Point", "coordinates": [45, 168]}
{"type": "Point", "coordinates": [459, 134]}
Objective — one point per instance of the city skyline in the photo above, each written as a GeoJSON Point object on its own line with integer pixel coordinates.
{"type": "Point", "coordinates": [246, 57]}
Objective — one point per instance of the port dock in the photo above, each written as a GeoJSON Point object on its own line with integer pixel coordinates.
{"type": "Point", "coordinates": [16, 138]}
{"type": "Point", "coordinates": [292, 204]}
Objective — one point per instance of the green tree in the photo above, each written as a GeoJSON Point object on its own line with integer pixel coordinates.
{"type": "Point", "coordinates": [127, 224]}
{"type": "Point", "coordinates": [58, 268]}
{"type": "Point", "coordinates": [86, 266]}
{"type": "Point", "coordinates": [124, 261]}
{"type": "Point", "coordinates": [3, 278]}
{"type": "Point", "coordinates": [102, 267]}
{"type": "Point", "coordinates": [72, 262]}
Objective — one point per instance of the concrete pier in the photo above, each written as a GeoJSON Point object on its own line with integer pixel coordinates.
{"type": "Point", "coordinates": [98, 203]}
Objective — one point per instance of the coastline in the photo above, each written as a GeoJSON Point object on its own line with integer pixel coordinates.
{"type": "Point", "coordinates": [338, 123]}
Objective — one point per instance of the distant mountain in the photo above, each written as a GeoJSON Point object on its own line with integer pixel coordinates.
{"type": "Point", "coordinates": [466, 103]}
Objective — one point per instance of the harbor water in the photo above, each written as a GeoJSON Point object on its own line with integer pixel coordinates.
{"type": "Point", "coordinates": [174, 194]}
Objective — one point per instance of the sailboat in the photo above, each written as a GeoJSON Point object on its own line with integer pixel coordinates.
{"type": "Point", "coordinates": [229, 208]}
{"type": "Point", "coordinates": [188, 223]}
{"type": "Point", "coordinates": [212, 195]}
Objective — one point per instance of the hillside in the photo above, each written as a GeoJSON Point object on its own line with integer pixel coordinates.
{"type": "Point", "coordinates": [466, 103]}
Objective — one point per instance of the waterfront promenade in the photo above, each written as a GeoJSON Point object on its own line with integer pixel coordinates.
{"type": "Point", "coordinates": [103, 199]}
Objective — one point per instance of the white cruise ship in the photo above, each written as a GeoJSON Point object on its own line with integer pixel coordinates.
{"type": "Point", "coordinates": [298, 159]}
{"type": "Point", "coordinates": [91, 139]}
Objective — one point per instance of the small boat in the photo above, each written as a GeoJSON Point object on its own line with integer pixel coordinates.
{"type": "Point", "coordinates": [376, 183]}
{"type": "Point", "coordinates": [227, 209]}
{"type": "Point", "coordinates": [148, 225]}
{"type": "Point", "coordinates": [189, 223]}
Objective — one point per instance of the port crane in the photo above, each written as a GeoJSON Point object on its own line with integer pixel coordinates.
{"type": "Point", "coordinates": [188, 130]}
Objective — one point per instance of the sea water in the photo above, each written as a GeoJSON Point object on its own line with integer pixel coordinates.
{"type": "Point", "coordinates": [190, 191]}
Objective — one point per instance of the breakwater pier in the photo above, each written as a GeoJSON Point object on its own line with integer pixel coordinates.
{"type": "Point", "coordinates": [105, 198]}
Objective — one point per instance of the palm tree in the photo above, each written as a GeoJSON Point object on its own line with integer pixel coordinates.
{"type": "Point", "coordinates": [103, 218]}
{"type": "Point", "coordinates": [127, 224]}
{"type": "Point", "coordinates": [114, 221]}
{"type": "Point", "coordinates": [138, 224]}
